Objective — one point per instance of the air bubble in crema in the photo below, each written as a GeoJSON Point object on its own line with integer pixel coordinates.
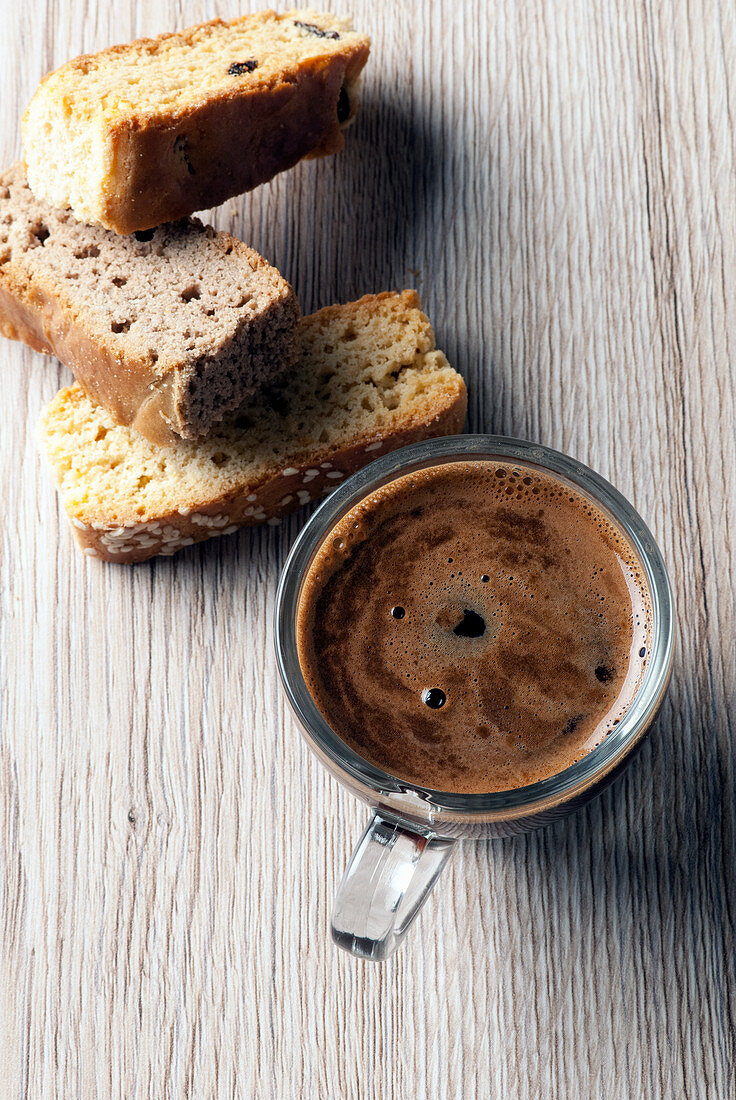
{"type": "Point", "coordinates": [434, 698]}
{"type": "Point", "coordinates": [472, 625]}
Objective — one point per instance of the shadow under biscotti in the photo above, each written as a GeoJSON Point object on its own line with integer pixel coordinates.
{"type": "Point", "coordinates": [358, 222]}
{"type": "Point", "coordinates": [392, 211]}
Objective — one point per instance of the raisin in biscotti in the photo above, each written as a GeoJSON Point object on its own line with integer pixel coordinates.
{"type": "Point", "coordinates": [145, 133]}
{"type": "Point", "coordinates": [170, 332]}
{"type": "Point", "coordinates": [368, 379]}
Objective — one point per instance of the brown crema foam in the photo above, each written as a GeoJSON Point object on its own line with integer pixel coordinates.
{"type": "Point", "coordinates": [474, 627]}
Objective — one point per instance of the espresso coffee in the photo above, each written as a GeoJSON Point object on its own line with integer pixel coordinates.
{"type": "Point", "coordinates": [474, 627]}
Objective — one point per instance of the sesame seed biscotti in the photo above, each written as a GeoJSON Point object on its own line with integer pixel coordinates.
{"type": "Point", "coordinates": [149, 132]}
{"type": "Point", "coordinates": [368, 380]}
{"type": "Point", "coordinates": [170, 331]}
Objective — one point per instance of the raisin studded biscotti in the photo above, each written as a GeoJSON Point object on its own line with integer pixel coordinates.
{"type": "Point", "coordinates": [149, 132]}
{"type": "Point", "coordinates": [368, 379]}
{"type": "Point", "coordinates": [170, 330]}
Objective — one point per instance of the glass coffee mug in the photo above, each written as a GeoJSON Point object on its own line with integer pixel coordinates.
{"type": "Point", "coordinates": [413, 830]}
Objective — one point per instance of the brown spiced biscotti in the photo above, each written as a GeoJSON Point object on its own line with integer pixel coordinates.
{"type": "Point", "coordinates": [170, 330]}
{"type": "Point", "coordinates": [149, 132]}
{"type": "Point", "coordinates": [368, 379]}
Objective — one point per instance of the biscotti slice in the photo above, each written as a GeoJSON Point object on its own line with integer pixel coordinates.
{"type": "Point", "coordinates": [145, 133]}
{"type": "Point", "coordinates": [170, 330]}
{"type": "Point", "coordinates": [368, 379]}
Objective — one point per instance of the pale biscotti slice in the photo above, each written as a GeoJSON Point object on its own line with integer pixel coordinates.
{"type": "Point", "coordinates": [170, 330]}
{"type": "Point", "coordinates": [367, 380]}
{"type": "Point", "coordinates": [145, 133]}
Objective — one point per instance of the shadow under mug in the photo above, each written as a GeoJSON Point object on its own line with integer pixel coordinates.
{"type": "Point", "coordinates": [413, 829]}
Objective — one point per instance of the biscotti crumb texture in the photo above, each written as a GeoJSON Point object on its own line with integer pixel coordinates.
{"type": "Point", "coordinates": [170, 332]}
{"type": "Point", "coordinates": [151, 131]}
{"type": "Point", "coordinates": [368, 379]}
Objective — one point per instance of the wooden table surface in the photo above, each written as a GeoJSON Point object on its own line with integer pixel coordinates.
{"type": "Point", "coordinates": [558, 179]}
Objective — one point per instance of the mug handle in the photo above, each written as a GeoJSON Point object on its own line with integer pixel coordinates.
{"type": "Point", "coordinates": [385, 885]}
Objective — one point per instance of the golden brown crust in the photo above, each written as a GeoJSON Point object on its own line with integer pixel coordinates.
{"type": "Point", "coordinates": [166, 164]}
{"type": "Point", "coordinates": [278, 495]}
{"type": "Point", "coordinates": [373, 304]}
{"type": "Point", "coordinates": [34, 314]}
{"type": "Point", "coordinates": [150, 183]}
{"type": "Point", "coordinates": [21, 322]}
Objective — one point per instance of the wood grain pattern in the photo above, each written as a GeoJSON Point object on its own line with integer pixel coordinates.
{"type": "Point", "coordinates": [558, 179]}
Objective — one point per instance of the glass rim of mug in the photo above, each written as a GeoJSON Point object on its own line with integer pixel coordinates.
{"type": "Point", "coordinates": [557, 788]}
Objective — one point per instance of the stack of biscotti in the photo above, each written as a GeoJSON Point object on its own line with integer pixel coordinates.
{"type": "Point", "coordinates": [203, 401]}
{"type": "Point", "coordinates": [368, 379]}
